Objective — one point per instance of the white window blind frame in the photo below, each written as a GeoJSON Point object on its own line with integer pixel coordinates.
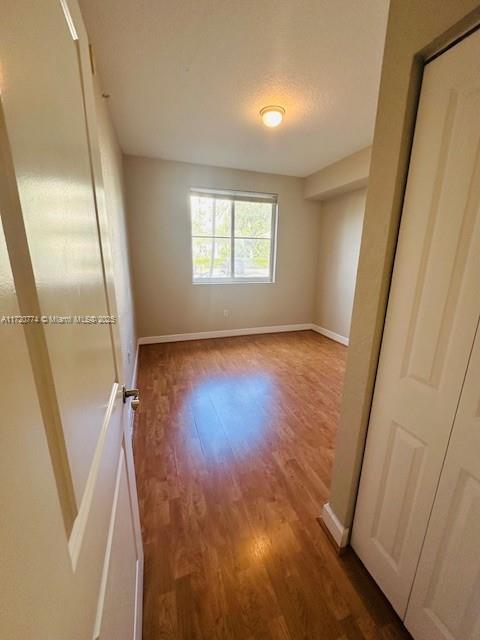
{"type": "Point", "coordinates": [246, 196]}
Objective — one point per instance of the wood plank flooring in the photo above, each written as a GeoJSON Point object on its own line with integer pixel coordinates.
{"type": "Point", "coordinates": [234, 441]}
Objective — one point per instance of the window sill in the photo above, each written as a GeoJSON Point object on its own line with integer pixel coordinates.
{"type": "Point", "coordinates": [234, 281]}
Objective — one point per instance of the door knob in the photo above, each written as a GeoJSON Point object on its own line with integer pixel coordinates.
{"type": "Point", "coordinates": [134, 394]}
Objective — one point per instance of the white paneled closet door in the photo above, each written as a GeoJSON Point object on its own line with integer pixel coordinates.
{"type": "Point", "coordinates": [430, 326]}
{"type": "Point", "coordinates": [445, 601]}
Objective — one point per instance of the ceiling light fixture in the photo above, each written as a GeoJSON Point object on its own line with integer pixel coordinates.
{"type": "Point", "coordinates": [272, 116]}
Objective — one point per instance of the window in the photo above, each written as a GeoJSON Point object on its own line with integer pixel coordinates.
{"type": "Point", "coordinates": [233, 236]}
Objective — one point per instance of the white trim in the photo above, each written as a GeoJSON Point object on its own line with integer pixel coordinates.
{"type": "Point", "coordinates": [108, 551]}
{"type": "Point", "coordinates": [237, 280]}
{"type": "Point", "coordinates": [331, 334]}
{"type": "Point", "coordinates": [231, 194]}
{"type": "Point", "coordinates": [224, 333]}
{"type": "Point", "coordinates": [133, 385]}
{"type": "Point", "coordinates": [135, 368]}
{"type": "Point", "coordinates": [69, 19]}
{"type": "Point", "coordinates": [338, 532]}
{"type": "Point", "coordinates": [80, 523]}
{"type": "Point", "coordinates": [135, 516]}
{"type": "Point", "coordinates": [138, 615]}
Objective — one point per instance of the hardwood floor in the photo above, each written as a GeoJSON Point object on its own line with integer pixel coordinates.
{"type": "Point", "coordinates": [233, 449]}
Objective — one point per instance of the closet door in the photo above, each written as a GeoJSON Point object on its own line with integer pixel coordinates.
{"type": "Point", "coordinates": [445, 601]}
{"type": "Point", "coordinates": [430, 325]}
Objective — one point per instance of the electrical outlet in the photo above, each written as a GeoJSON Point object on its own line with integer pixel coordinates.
{"type": "Point", "coordinates": [226, 313]}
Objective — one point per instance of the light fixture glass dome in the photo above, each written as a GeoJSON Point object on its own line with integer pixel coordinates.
{"type": "Point", "coordinates": [272, 116]}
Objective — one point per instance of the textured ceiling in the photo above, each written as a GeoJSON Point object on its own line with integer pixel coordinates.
{"type": "Point", "coordinates": [187, 78]}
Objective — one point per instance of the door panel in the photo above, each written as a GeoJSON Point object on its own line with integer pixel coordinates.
{"type": "Point", "coordinates": [43, 107]}
{"type": "Point", "coordinates": [431, 321]}
{"type": "Point", "coordinates": [445, 601]}
{"type": "Point", "coordinates": [44, 571]}
{"type": "Point", "coordinates": [25, 464]}
{"type": "Point", "coordinates": [116, 612]}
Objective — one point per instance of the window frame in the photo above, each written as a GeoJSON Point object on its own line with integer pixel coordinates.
{"type": "Point", "coordinates": [237, 196]}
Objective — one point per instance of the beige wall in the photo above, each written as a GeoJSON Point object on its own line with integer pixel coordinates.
{"type": "Point", "coordinates": [346, 174]}
{"type": "Point", "coordinates": [416, 29]}
{"type": "Point", "coordinates": [113, 183]}
{"type": "Point", "coordinates": [341, 220]}
{"type": "Point", "coordinates": [166, 301]}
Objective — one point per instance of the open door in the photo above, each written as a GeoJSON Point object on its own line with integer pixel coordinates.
{"type": "Point", "coordinates": [70, 532]}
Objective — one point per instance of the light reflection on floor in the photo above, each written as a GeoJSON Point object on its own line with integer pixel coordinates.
{"type": "Point", "coordinates": [232, 415]}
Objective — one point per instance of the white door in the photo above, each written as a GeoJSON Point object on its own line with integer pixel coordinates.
{"type": "Point", "coordinates": [431, 320]}
{"type": "Point", "coordinates": [71, 556]}
{"type": "Point", "coordinates": [445, 601]}
{"type": "Point", "coordinates": [121, 596]}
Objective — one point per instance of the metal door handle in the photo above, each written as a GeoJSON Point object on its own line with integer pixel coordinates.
{"type": "Point", "coordinates": [134, 394]}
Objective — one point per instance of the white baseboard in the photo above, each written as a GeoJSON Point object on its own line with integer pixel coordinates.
{"type": "Point", "coordinates": [338, 532]}
{"type": "Point", "coordinates": [330, 334]}
{"type": "Point", "coordinates": [224, 333]}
